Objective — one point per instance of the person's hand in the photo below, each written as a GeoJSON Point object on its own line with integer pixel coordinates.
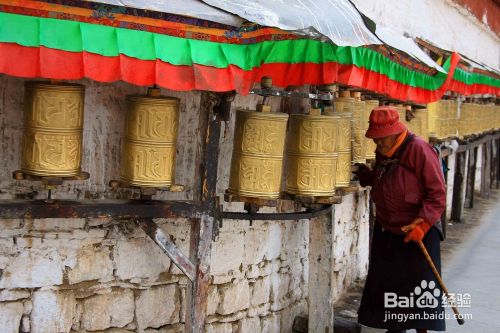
{"type": "Point", "coordinates": [416, 230]}
{"type": "Point", "coordinates": [362, 169]}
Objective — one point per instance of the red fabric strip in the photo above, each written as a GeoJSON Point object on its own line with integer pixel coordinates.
{"type": "Point", "coordinates": [17, 60]}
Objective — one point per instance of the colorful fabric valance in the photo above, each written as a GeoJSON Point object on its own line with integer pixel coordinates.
{"type": "Point", "coordinates": [50, 40]}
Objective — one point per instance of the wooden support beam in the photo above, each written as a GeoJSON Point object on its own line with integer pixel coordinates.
{"type": "Point", "coordinates": [168, 247]}
{"type": "Point", "coordinates": [215, 108]}
{"type": "Point", "coordinates": [458, 186]}
{"type": "Point", "coordinates": [471, 178]}
{"type": "Point", "coordinates": [197, 296]}
{"type": "Point", "coordinates": [498, 162]}
{"type": "Point", "coordinates": [320, 274]}
{"type": "Point", "coordinates": [494, 164]}
{"type": "Point", "coordinates": [485, 170]}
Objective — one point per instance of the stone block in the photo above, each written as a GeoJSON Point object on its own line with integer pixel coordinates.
{"type": "Point", "coordinates": [275, 234]}
{"type": "Point", "coordinates": [289, 314]}
{"type": "Point", "coordinates": [234, 297]}
{"type": "Point", "coordinates": [10, 317]}
{"type": "Point", "coordinates": [13, 295]}
{"type": "Point", "coordinates": [53, 311]}
{"type": "Point", "coordinates": [33, 269]}
{"type": "Point", "coordinates": [139, 258]}
{"type": "Point", "coordinates": [10, 224]}
{"type": "Point", "coordinates": [91, 264]}
{"type": "Point", "coordinates": [6, 245]}
{"type": "Point", "coordinates": [261, 291]}
{"type": "Point", "coordinates": [157, 307]}
{"type": "Point", "coordinates": [219, 328]}
{"type": "Point", "coordinates": [58, 224]}
{"type": "Point", "coordinates": [181, 238]}
{"type": "Point", "coordinates": [28, 242]}
{"type": "Point", "coordinates": [114, 309]}
{"type": "Point", "coordinates": [25, 324]}
{"type": "Point", "coordinates": [252, 272]}
{"type": "Point", "coordinates": [271, 324]}
{"type": "Point", "coordinates": [4, 261]}
{"type": "Point", "coordinates": [279, 286]}
{"type": "Point", "coordinates": [90, 234]}
{"type": "Point", "coordinates": [256, 245]}
{"type": "Point", "coordinates": [95, 222]}
{"type": "Point", "coordinates": [213, 300]}
{"type": "Point", "coordinates": [249, 325]}
{"type": "Point", "coordinates": [261, 310]}
{"type": "Point", "coordinates": [228, 252]}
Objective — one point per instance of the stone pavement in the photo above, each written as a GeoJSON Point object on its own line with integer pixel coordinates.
{"type": "Point", "coordinates": [471, 264]}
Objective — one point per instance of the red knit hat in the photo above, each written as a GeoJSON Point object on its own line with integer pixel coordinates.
{"type": "Point", "coordinates": [384, 121]}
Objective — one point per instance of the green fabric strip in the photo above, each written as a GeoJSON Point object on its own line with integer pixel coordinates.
{"type": "Point", "coordinates": [110, 41]}
{"type": "Point", "coordinates": [475, 78]}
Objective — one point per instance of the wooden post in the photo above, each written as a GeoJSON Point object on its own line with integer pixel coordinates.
{"type": "Point", "coordinates": [494, 164]}
{"type": "Point", "coordinates": [485, 171]}
{"type": "Point", "coordinates": [202, 229]}
{"type": "Point", "coordinates": [471, 178]}
{"type": "Point", "coordinates": [458, 186]}
{"type": "Point", "coordinates": [498, 160]}
{"type": "Point", "coordinates": [320, 274]}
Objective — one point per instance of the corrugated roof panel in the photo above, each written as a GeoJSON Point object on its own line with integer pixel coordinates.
{"type": "Point", "coordinates": [338, 20]}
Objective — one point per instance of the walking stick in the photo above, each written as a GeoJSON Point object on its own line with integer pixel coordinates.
{"type": "Point", "coordinates": [460, 320]}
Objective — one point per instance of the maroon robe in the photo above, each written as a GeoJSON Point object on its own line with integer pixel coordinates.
{"type": "Point", "coordinates": [414, 187]}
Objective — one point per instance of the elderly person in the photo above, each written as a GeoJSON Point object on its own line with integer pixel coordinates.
{"type": "Point", "coordinates": [408, 190]}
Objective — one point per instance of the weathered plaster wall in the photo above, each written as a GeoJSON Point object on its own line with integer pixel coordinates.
{"type": "Point", "coordinates": [101, 275]}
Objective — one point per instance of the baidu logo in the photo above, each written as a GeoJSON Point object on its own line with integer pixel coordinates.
{"type": "Point", "coordinates": [425, 295]}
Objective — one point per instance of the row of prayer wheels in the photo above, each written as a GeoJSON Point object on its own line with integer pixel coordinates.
{"type": "Point", "coordinates": [477, 118]}
{"type": "Point", "coordinates": [443, 119]}
{"type": "Point", "coordinates": [447, 119]}
{"type": "Point", "coordinates": [52, 140]}
{"type": "Point", "coordinates": [319, 149]}
{"type": "Point", "coordinates": [258, 153]}
{"type": "Point", "coordinates": [419, 124]}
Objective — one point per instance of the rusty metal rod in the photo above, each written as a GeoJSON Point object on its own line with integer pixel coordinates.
{"type": "Point", "coordinates": [308, 214]}
{"type": "Point", "coordinates": [118, 209]}
{"type": "Point", "coordinates": [459, 317]}
{"type": "Point", "coordinates": [168, 247]}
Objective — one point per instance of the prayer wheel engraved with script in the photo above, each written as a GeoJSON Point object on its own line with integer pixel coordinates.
{"type": "Point", "coordinates": [150, 138]}
{"type": "Point", "coordinates": [343, 174]}
{"type": "Point", "coordinates": [311, 155]}
{"type": "Point", "coordinates": [358, 132]}
{"type": "Point", "coordinates": [371, 147]}
{"type": "Point", "coordinates": [257, 159]}
{"type": "Point", "coordinates": [53, 129]}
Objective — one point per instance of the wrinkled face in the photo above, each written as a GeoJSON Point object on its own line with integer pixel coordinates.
{"type": "Point", "coordinates": [386, 143]}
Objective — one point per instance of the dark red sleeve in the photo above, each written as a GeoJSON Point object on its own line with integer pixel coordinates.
{"type": "Point", "coordinates": [430, 175]}
{"type": "Point", "coordinates": [366, 178]}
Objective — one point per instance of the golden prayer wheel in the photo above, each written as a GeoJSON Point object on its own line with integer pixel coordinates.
{"type": "Point", "coordinates": [452, 118]}
{"type": "Point", "coordinates": [358, 129]}
{"type": "Point", "coordinates": [491, 116]}
{"type": "Point", "coordinates": [257, 159]}
{"type": "Point", "coordinates": [312, 155]}
{"type": "Point", "coordinates": [344, 145]}
{"type": "Point", "coordinates": [53, 129]}
{"type": "Point", "coordinates": [438, 119]}
{"type": "Point", "coordinates": [371, 147]}
{"type": "Point", "coordinates": [150, 138]}
{"type": "Point", "coordinates": [466, 119]}
{"type": "Point", "coordinates": [422, 115]}
{"type": "Point", "coordinates": [344, 103]}
{"type": "Point", "coordinates": [497, 116]}
{"type": "Point", "coordinates": [415, 125]}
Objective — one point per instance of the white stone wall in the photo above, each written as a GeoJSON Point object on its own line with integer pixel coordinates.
{"type": "Point", "coordinates": [351, 241]}
{"type": "Point", "coordinates": [102, 275]}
